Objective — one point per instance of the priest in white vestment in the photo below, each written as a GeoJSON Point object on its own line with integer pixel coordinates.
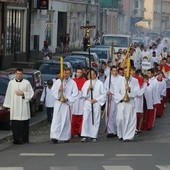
{"type": "Point", "coordinates": [126, 114]}
{"type": "Point", "coordinates": [90, 130]}
{"type": "Point", "coordinates": [18, 95]}
{"type": "Point", "coordinates": [61, 122]}
{"type": "Point", "coordinates": [111, 106]}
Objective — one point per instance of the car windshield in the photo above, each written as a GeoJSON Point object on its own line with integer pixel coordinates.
{"type": "Point", "coordinates": [53, 68]}
{"type": "Point", "coordinates": [28, 77]}
{"type": "Point", "coordinates": [101, 54]}
{"type": "Point", "coordinates": [3, 85]}
{"type": "Point", "coordinates": [86, 55]}
{"type": "Point", "coordinates": [75, 62]}
{"type": "Point", "coordinates": [117, 41]}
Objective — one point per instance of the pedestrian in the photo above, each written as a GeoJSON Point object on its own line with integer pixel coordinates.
{"type": "Point", "coordinates": [111, 106]}
{"type": "Point", "coordinates": [126, 113]}
{"type": "Point", "coordinates": [162, 93]}
{"type": "Point", "coordinates": [148, 118]}
{"type": "Point", "coordinates": [102, 77]}
{"type": "Point", "coordinates": [156, 95]}
{"type": "Point", "coordinates": [90, 130]}
{"type": "Point", "coordinates": [61, 122]}
{"type": "Point", "coordinates": [77, 107]}
{"type": "Point", "coordinates": [19, 93]}
{"type": "Point", "coordinates": [48, 99]}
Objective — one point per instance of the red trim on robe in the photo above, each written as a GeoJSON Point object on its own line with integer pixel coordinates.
{"type": "Point", "coordinates": [140, 80]}
{"type": "Point", "coordinates": [166, 68]}
{"type": "Point", "coordinates": [80, 82]}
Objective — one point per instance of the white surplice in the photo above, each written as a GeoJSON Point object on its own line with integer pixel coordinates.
{"type": "Point", "coordinates": [47, 97]}
{"type": "Point", "coordinates": [156, 95]}
{"type": "Point", "coordinates": [61, 123]}
{"type": "Point", "coordinates": [77, 107]}
{"type": "Point", "coordinates": [149, 96]}
{"type": "Point", "coordinates": [139, 99]}
{"type": "Point", "coordinates": [19, 106]}
{"type": "Point", "coordinates": [111, 111]}
{"type": "Point", "coordinates": [126, 114]}
{"type": "Point", "coordinates": [89, 130]}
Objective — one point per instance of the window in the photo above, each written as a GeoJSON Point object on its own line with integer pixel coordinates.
{"type": "Point", "coordinates": [136, 4]}
{"type": "Point", "coordinates": [14, 33]}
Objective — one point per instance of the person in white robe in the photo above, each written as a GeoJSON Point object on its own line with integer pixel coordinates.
{"type": "Point", "coordinates": [18, 95]}
{"type": "Point", "coordinates": [148, 121]}
{"type": "Point", "coordinates": [61, 122]}
{"type": "Point", "coordinates": [48, 99]}
{"type": "Point", "coordinates": [111, 106]}
{"type": "Point", "coordinates": [156, 95]}
{"type": "Point", "coordinates": [126, 113]}
{"type": "Point", "coordinates": [77, 107]}
{"type": "Point", "coordinates": [89, 128]}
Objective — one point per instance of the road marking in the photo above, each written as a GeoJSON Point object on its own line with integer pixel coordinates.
{"type": "Point", "coordinates": [163, 167]}
{"type": "Point", "coordinates": [11, 168]}
{"type": "Point", "coordinates": [133, 155]}
{"type": "Point", "coordinates": [64, 168]}
{"type": "Point", "coordinates": [117, 168]}
{"type": "Point", "coordinates": [80, 154]}
{"type": "Point", "coordinates": [37, 154]}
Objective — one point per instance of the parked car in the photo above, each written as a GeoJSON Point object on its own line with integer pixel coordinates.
{"type": "Point", "coordinates": [50, 69]}
{"type": "Point", "coordinates": [95, 61]}
{"type": "Point", "coordinates": [119, 41]}
{"type": "Point", "coordinates": [138, 40]}
{"type": "Point", "coordinates": [35, 78]}
{"type": "Point", "coordinates": [4, 113]}
{"type": "Point", "coordinates": [103, 52]}
{"type": "Point", "coordinates": [77, 61]}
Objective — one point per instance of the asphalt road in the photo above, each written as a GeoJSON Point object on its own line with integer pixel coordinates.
{"type": "Point", "coordinates": [149, 151]}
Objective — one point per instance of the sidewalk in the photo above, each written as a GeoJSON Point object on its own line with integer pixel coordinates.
{"type": "Point", "coordinates": [39, 117]}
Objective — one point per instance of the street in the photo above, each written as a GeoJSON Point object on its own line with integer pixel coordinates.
{"type": "Point", "coordinates": [149, 151]}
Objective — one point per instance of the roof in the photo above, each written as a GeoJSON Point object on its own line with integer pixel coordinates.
{"type": "Point", "coordinates": [116, 35]}
{"type": "Point", "coordinates": [76, 56]}
{"type": "Point", "coordinates": [25, 70]}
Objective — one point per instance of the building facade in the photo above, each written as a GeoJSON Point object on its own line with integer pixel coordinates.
{"type": "Point", "coordinates": [133, 12]}
{"type": "Point", "coordinates": [13, 17]}
{"type": "Point", "coordinates": [156, 15]}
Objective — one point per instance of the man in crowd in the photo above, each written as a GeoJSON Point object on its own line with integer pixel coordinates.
{"type": "Point", "coordinates": [18, 95]}
{"type": "Point", "coordinates": [90, 126]}
{"type": "Point", "coordinates": [126, 113]}
{"type": "Point", "coordinates": [111, 106]}
{"type": "Point", "coordinates": [77, 107]}
{"type": "Point", "coordinates": [61, 123]}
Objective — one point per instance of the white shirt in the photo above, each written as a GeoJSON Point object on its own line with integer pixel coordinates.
{"type": "Point", "coordinates": [47, 97]}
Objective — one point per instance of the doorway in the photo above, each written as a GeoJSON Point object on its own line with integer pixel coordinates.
{"type": "Point", "coordinates": [62, 30]}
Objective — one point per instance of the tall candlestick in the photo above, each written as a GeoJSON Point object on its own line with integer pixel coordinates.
{"type": "Point", "coordinates": [61, 67]}
{"type": "Point", "coordinates": [128, 68]}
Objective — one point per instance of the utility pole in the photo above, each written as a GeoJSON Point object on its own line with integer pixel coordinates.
{"type": "Point", "coordinates": [28, 52]}
{"type": "Point", "coordinates": [161, 16]}
{"type": "Point", "coordinates": [129, 15]}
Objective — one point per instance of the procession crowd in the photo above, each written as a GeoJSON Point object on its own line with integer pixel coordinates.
{"type": "Point", "coordinates": [75, 106]}
{"type": "Point", "coordinates": [91, 95]}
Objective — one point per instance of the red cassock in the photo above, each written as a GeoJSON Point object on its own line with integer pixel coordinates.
{"type": "Point", "coordinates": [77, 118]}
{"type": "Point", "coordinates": [140, 82]}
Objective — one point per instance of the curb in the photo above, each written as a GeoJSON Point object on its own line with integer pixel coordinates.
{"type": "Point", "coordinates": [7, 134]}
